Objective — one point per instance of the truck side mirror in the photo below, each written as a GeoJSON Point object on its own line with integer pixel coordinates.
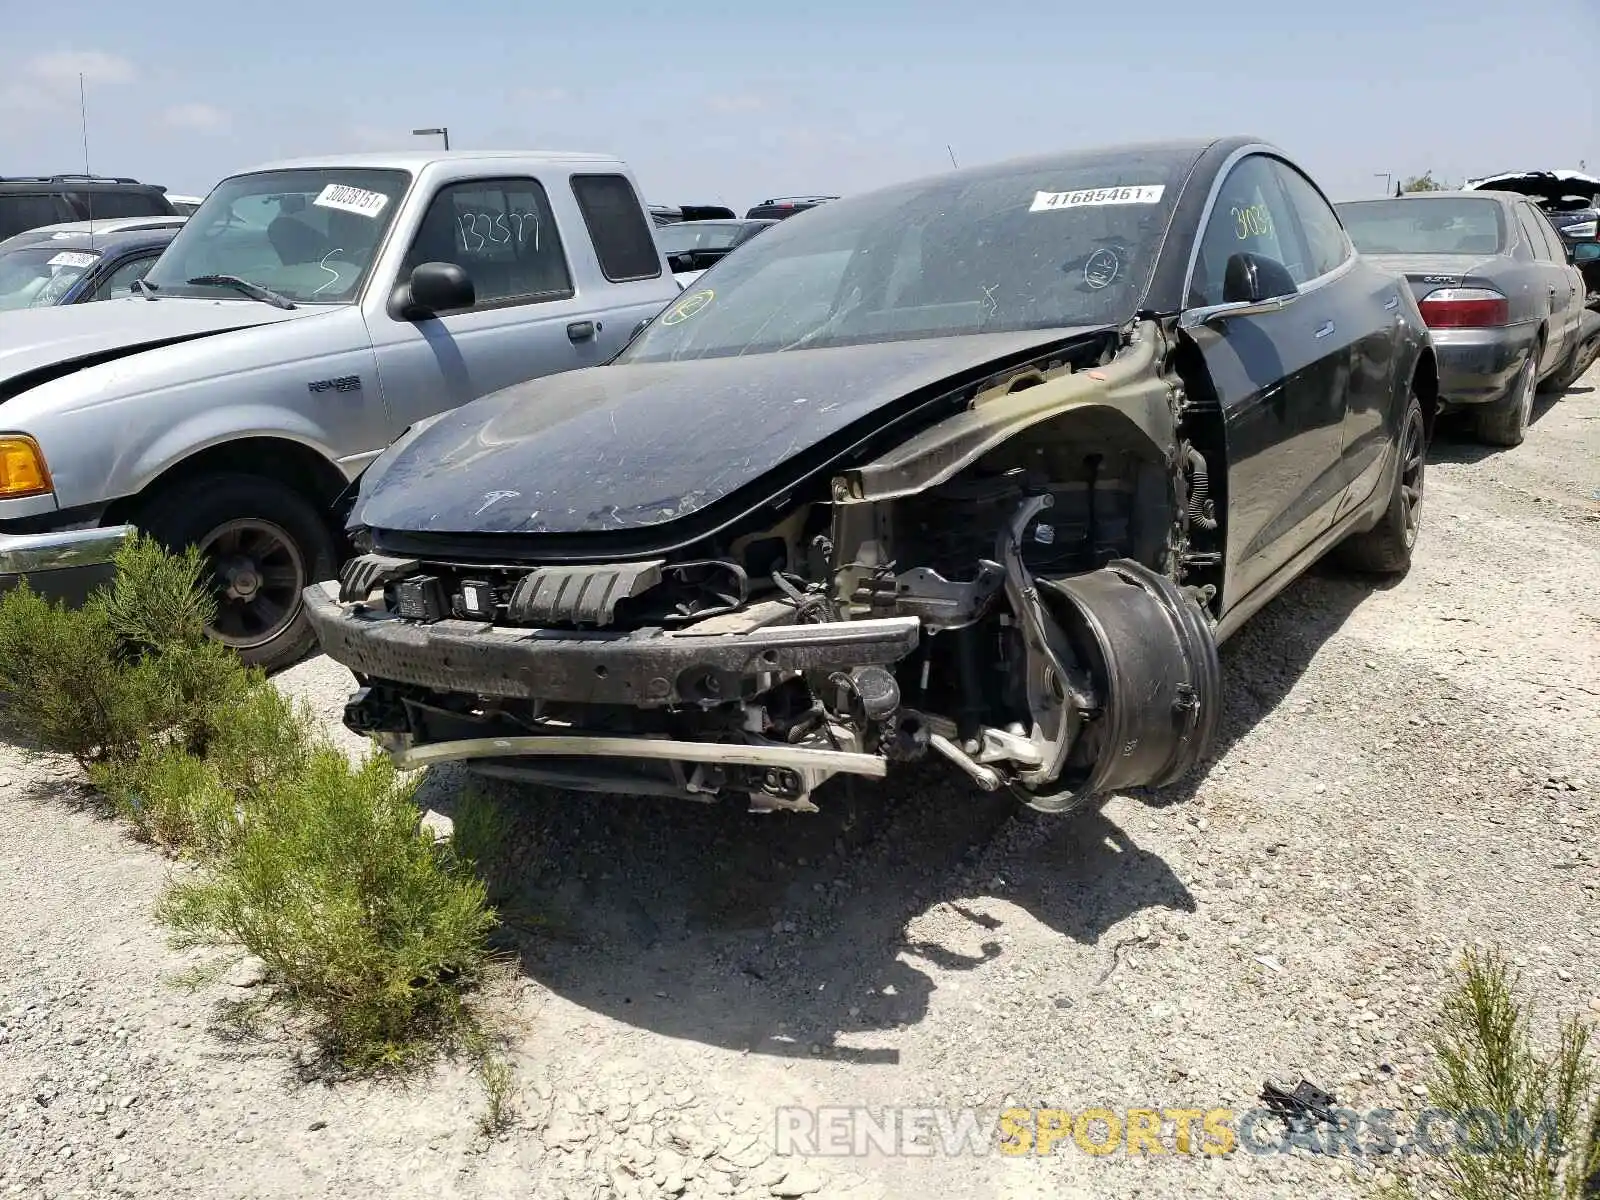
{"type": "Point", "coordinates": [1586, 252]}
{"type": "Point", "coordinates": [435, 287]}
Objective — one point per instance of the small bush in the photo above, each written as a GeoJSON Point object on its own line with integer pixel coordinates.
{"type": "Point", "coordinates": [1488, 1064]}
{"type": "Point", "coordinates": [132, 665]}
{"type": "Point", "coordinates": [171, 798]}
{"type": "Point", "coordinates": [334, 886]}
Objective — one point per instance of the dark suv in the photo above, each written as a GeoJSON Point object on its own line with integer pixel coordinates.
{"type": "Point", "coordinates": [29, 201]}
{"type": "Point", "coordinates": [784, 206]}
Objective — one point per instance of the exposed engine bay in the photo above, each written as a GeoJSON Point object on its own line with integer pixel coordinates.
{"type": "Point", "coordinates": [1023, 588]}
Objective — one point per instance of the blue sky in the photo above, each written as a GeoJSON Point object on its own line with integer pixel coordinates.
{"type": "Point", "coordinates": [732, 102]}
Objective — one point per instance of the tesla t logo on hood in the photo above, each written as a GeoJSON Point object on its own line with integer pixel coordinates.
{"type": "Point", "coordinates": [490, 499]}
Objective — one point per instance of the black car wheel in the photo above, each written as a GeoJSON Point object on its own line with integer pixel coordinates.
{"type": "Point", "coordinates": [1505, 422]}
{"type": "Point", "coordinates": [1385, 549]}
{"type": "Point", "coordinates": [263, 543]}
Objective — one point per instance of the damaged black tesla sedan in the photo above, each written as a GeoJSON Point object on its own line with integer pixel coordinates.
{"type": "Point", "coordinates": [980, 467]}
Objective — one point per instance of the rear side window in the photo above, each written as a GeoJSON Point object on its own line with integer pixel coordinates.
{"type": "Point", "coordinates": [622, 239]}
{"type": "Point", "coordinates": [111, 202]}
{"type": "Point", "coordinates": [1325, 244]}
{"type": "Point", "coordinates": [1529, 220]}
{"type": "Point", "coordinates": [21, 211]}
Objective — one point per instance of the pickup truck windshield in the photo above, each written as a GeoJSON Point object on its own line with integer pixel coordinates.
{"type": "Point", "coordinates": [308, 235]}
{"type": "Point", "coordinates": [1031, 245]}
{"type": "Point", "coordinates": [39, 276]}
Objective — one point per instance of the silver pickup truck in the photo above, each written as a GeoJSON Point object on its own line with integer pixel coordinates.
{"type": "Point", "coordinates": [303, 318]}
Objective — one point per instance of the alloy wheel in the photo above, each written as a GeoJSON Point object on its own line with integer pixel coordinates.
{"type": "Point", "coordinates": [258, 573]}
{"type": "Point", "coordinates": [1413, 467]}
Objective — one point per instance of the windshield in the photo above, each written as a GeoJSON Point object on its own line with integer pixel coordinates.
{"type": "Point", "coordinates": [1453, 226]}
{"type": "Point", "coordinates": [1031, 245]}
{"type": "Point", "coordinates": [39, 276]}
{"type": "Point", "coordinates": [308, 235]}
{"type": "Point", "coordinates": [684, 236]}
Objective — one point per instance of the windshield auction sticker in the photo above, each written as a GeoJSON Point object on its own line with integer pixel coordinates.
{"type": "Point", "coordinates": [688, 306]}
{"type": "Point", "coordinates": [1148, 193]}
{"type": "Point", "coordinates": [351, 200]}
{"type": "Point", "coordinates": [72, 258]}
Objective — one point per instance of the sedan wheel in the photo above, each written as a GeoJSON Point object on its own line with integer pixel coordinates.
{"type": "Point", "coordinates": [1505, 422]}
{"type": "Point", "coordinates": [1385, 549]}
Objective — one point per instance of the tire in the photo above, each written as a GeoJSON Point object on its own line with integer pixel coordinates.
{"type": "Point", "coordinates": [1505, 421]}
{"type": "Point", "coordinates": [1385, 549]}
{"type": "Point", "coordinates": [1580, 360]}
{"type": "Point", "coordinates": [265, 543]}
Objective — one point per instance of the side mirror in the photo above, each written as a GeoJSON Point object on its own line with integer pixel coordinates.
{"type": "Point", "coordinates": [1586, 252]}
{"type": "Point", "coordinates": [682, 261]}
{"type": "Point", "coordinates": [1252, 278]}
{"type": "Point", "coordinates": [435, 287]}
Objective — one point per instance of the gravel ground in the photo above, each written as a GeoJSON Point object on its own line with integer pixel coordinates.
{"type": "Point", "coordinates": [1403, 770]}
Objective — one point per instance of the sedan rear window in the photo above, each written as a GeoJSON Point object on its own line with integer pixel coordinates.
{"type": "Point", "coordinates": [1453, 225]}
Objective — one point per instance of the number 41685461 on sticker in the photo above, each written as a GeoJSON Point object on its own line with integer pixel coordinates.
{"type": "Point", "coordinates": [1094, 197]}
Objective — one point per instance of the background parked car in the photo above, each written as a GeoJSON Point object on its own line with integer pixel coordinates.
{"type": "Point", "coordinates": [75, 268]}
{"type": "Point", "coordinates": [186, 204]}
{"type": "Point", "coordinates": [671, 214]}
{"type": "Point", "coordinates": [1571, 199]}
{"type": "Point", "coordinates": [784, 206]}
{"type": "Point", "coordinates": [1494, 282]}
{"type": "Point", "coordinates": [692, 246]}
{"type": "Point", "coordinates": [28, 201]}
{"type": "Point", "coordinates": [303, 319]}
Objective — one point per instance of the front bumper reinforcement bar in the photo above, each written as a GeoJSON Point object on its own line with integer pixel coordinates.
{"type": "Point", "coordinates": [645, 668]}
{"type": "Point", "coordinates": [799, 758]}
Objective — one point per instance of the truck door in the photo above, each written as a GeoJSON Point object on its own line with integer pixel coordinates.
{"type": "Point", "coordinates": [535, 312]}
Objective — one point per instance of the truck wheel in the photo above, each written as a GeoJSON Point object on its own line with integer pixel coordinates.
{"type": "Point", "coordinates": [1385, 549]}
{"type": "Point", "coordinates": [1505, 421]}
{"type": "Point", "coordinates": [264, 543]}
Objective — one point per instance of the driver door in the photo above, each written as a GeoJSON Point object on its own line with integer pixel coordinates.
{"type": "Point", "coordinates": [1280, 379]}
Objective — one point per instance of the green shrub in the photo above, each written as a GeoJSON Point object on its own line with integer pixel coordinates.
{"type": "Point", "coordinates": [334, 886]}
{"type": "Point", "coordinates": [132, 665]}
{"type": "Point", "coordinates": [171, 798]}
{"type": "Point", "coordinates": [1487, 1063]}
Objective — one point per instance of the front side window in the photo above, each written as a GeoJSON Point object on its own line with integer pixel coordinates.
{"type": "Point", "coordinates": [309, 235]}
{"type": "Point", "coordinates": [1250, 216]}
{"type": "Point", "coordinates": [1424, 225]}
{"type": "Point", "coordinates": [120, 281]}
{"type": "Point", "coordinates": [1326, 249]}
{"type": "Point", "coordinates": [502, 234]}
{"type": "Point", "coordinates": [40, 275]}
{"type": "Point", "coordinates": [616, 223]}
{"type": "Point", "coordinates": [1024, 246]}
{"type": "Point", "coordinates": [687, 236]}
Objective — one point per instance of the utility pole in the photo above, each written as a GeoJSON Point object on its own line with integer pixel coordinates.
{"type": "Point", "coordinates": [440, 131]}
{"type": "Point", "coordinates": [1386, 176]}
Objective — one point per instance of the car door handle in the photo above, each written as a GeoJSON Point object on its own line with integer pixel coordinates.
{"type": "Point", "coordinates": [581, 331]}
{"type": "Point", "coordinates": [1391, 304]}
{"type": "Point", "coordinates": [1324, 329]}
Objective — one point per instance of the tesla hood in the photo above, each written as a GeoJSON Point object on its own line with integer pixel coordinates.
{"type": "Point", "coordinates": [636, 445]}
{"type": "Point", "coordinates": [36, 338]}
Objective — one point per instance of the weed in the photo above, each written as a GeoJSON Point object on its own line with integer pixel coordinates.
{"type": "Point", "coordinates": [1488, 1067]}
{"type": "Point", "coordinates": [334, 887]}
{"type": "Point", "coordinates": [131, 665]}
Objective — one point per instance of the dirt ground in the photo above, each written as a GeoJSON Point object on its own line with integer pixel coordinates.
{"type": "Point", "coordinates": [1402, 771]}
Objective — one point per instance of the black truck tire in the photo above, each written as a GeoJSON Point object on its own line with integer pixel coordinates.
{"type": "Point", "coordinates": [264, 543]}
